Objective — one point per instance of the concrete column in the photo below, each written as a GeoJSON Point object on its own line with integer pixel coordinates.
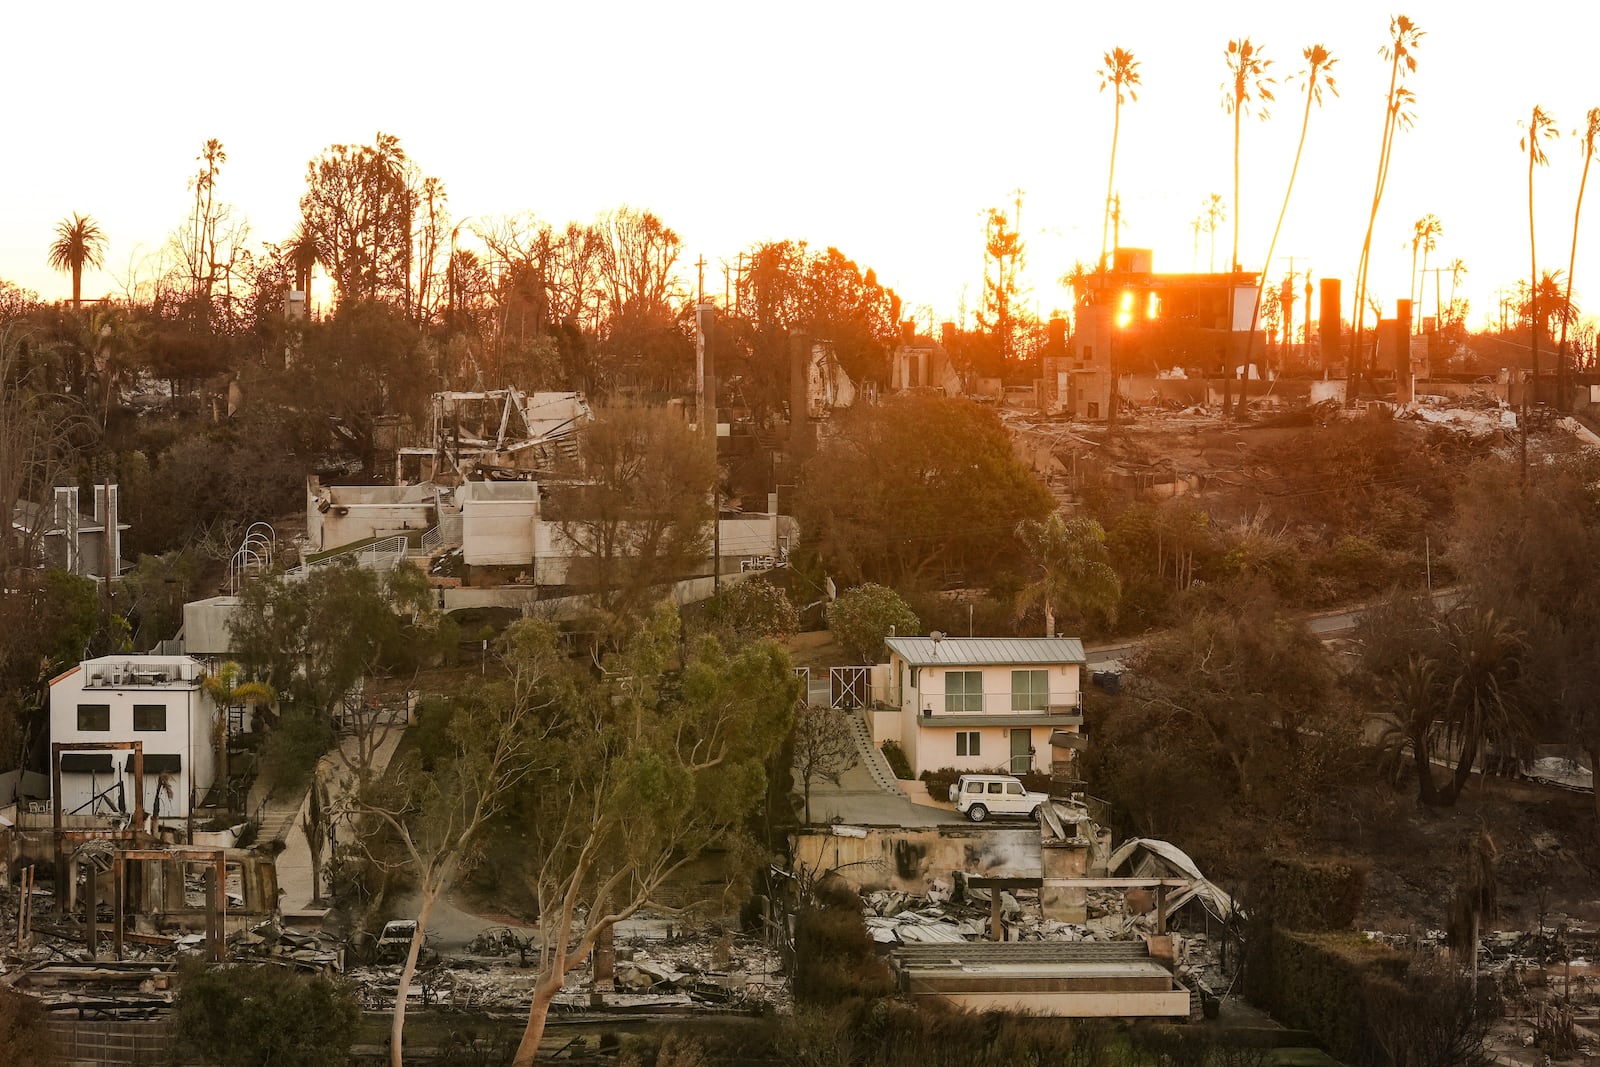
{"type": "Point", "coordinates": [1064, 859]}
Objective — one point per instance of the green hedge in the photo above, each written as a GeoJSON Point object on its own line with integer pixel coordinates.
{"type": "Point", "coordinates": [836, 959]}
{"type": "Point", "coordinates": [1310, 895]}
{"type": "Point", "coordinates": [1318, 982]}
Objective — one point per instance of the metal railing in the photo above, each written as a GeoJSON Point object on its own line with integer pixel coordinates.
{"type": "Point", "coordinates": [447, 533]}
{"type": "Point", "coordinates": [1001, 703]}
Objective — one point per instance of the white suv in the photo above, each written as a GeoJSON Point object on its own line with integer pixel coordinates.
{"type": "Point", "coordinates": [978, 796]}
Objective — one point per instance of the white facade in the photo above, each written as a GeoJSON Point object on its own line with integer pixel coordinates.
{"type": "Point", "coordinates": [984, 704]}
{"type": "Point", "coordinates": [154, 699]}
{"type": "Point", "coordinates": [499, 523]}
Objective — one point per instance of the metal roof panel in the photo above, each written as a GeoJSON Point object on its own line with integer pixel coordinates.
{"type": "Point", "coordinates": [986, 651]}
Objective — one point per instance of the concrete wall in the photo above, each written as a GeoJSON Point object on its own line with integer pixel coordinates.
{"type": "Point", "coordinates": [1119, 1005]}
{"type": "Point", "coordinates": [498, 523]}
{"type": "Point", "coordinates": [357, 512]}
{"type": "Point", "coordinates": [206, 623]}
{"type": "Point", "coordinates": [911, 859]}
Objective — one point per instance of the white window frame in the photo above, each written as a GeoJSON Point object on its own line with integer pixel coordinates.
{"type": "Point", "coordinates": [966, 701]}
{"type": "Point", "coordinates": [1028, 696]}
{"type": "Point", "coordinates": [969, 743]}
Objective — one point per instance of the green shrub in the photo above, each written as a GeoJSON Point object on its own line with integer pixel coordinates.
{"type": "Point", "coordinates": [23, 1036]}
{"type": "Point", "coordinates": [1318, 982]}
{"type": "Point", "coordinates": [244, 1016]}
{"type": "Point", "coordinates": [836, 959]}
{"type": "Point", "coordinates": [1310, 895]}
{"type": "Point", "coordinates": [897, 760]}
{"type": "Point", "coordinates": [293, 748]}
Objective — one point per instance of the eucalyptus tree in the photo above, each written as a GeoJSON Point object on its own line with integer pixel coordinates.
{"type": "Point", "coordinates": [1121, 71]}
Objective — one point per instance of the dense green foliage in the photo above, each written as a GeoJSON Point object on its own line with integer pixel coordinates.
{"type": "Point", "coordinates": [265, 1016]}
{"type": "Point", "coordinates": [864, 616]}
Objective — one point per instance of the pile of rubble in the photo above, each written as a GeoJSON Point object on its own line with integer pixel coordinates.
{"type": "Point", "coordinates": [698, 970]}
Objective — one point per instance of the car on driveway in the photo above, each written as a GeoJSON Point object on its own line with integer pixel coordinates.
{"type": "Point", "coordinates": [978, 796]}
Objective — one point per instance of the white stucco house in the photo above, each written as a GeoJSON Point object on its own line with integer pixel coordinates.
{"type": "Point", "coordinates": [983, 703]}
{"type": "Point", "coordinates": [154, 699]}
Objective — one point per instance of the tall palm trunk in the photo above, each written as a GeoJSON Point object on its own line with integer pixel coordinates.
{"type": "Point", "coordinates": [1572, 258]}
{"type": "Point", "coordinates": [1233, 265]}
{"type": "Point", "coordinates": [1533, 286]}
{"type": "Point", "coordinates": [1283, 211]}
{"type": "Point", "coordinates": [1111, 177]}
{"type": "Point", "coordinates": [1357, 357]}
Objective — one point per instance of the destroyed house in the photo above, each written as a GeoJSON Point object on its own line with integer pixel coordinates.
{"type": "Point", "coordinates": [158, 700]}
{"type": "Point", "coordinates": [61, 535]}
{"type": "Point", "coordinates": [980, 703]}
{"type": "Point", "coordinates": [1110, 979]}
{"type": "Point", "coordinates": [493, 432]}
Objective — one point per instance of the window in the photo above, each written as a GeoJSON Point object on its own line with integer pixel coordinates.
{"type": "Point", "coordinates": [963, 692]}
{"type": "Point", "coordinates": [149, 717]}
{"type": "Point", "coordinates": [94, 717]}
{"type": "Point", "coordinates": [967, 743]}
{"type": "Point", "coordinates": [974, 787]}
{"type": "Point", "coordinates": [1030, 690]}
{"type": "Point", "coordinates": [1014, 789]}
{"type": "Point", "coordinates": [994, 787]}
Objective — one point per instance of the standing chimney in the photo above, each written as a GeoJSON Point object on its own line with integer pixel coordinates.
{"type": "Point", "coordinates": [1330, 321]}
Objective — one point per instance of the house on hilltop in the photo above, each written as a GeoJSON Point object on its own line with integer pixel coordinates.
{"type": "Point", "coordinates": [980, 703]}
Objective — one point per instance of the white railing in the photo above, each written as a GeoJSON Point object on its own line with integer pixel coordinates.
{"type": "Point", "coordinates": [446, 534]}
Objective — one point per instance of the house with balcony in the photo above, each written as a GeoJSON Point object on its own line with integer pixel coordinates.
{"type": "Point", "coordinates": [118, 699]}
{"type": "Point", "coordinates": [983, 703]}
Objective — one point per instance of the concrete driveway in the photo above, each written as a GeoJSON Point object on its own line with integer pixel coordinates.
{"type": "Point", "coordinates": [857, 800]}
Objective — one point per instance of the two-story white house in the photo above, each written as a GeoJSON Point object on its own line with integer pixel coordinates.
{"type": "Point", "coordinates": [154, 699]}
{"type": "Point", "coordinates": [981, 703]}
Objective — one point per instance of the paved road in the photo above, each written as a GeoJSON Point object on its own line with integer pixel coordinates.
{"type": "Point", "coordinates": [1326, 624]}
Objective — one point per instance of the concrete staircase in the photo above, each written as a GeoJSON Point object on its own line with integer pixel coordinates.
{"type": "Point", "coordinates": [872, 756]}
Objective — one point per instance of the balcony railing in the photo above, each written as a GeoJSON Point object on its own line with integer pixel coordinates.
{"type": "Point", "coordinates": [975, 709]}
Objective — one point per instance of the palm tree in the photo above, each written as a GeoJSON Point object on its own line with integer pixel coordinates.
{"type": "Point", "coordinates": [1404, 37]}
{"type": "Point", "coordinates": [1069, 556]}
{"type": "Point", "coordinates": [1415, 695]}
{"type": "Point", "coordinates": [1540, 125]}
{"type": "Point", "coordinates": [1248, 85]}
{"type": "Point", "coordinates": [1318, 75]}
{"type": "Point", "coordinates": [1590, 134]}
{"type": "Point", "coordinates": [1121, 71]}
{"type": "Point", "coordinates": [1458, 270]}
{"type": "Point", "coordinates": [1424, 238]}
{"type": "Point", "coordinates": [1215, 211]}
{"type": "Point", "coordinates": [1548, 301]}
{"type": "Point", "coordinates": [79, 243]}
{"type": "Point", "coordinates": [227, 690]}
{"type": "Point", "coordinates": [1486, 662]}
{"type": "Point", "coordinates": [1477, 898]}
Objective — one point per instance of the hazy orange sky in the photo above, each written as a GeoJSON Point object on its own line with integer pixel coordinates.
{"type": "Point", "coordinates": [882, 128]}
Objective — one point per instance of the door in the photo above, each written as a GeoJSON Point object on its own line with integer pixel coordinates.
{"type": "Point", "coordinates": [1021, 751]}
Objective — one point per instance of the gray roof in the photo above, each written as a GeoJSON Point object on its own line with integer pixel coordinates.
{"type": "Point", "coordinates": [986, 651]}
